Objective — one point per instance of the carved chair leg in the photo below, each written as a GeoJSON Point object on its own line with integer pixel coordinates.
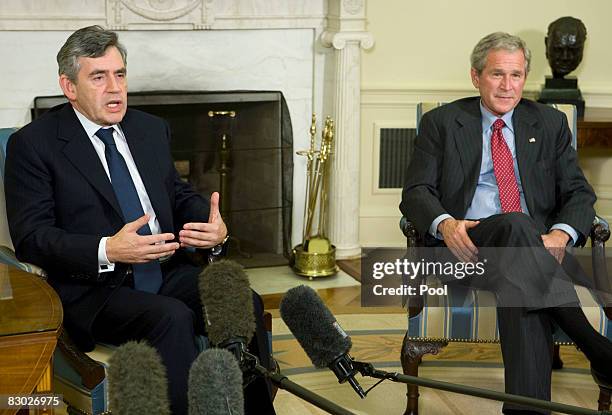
{"type": "Point", "coordinates": [411, 355]}
{"type": "Point", "coordinates": [604, 399]}
{"type": "Point", "coordinates": [557, 363]}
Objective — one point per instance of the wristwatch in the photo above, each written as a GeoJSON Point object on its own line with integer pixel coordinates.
{"type": "Point", "coordinates": [217, 249]}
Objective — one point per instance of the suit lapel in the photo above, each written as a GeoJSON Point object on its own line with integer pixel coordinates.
{"type": "Point", "coordinates": [527, 144]}
{"type": "Point", "coordinates": [468, 140]}
{"type": "Point", "coordinates": [149, 169]}
{"type": "Point", "coordinates": [81, 154]}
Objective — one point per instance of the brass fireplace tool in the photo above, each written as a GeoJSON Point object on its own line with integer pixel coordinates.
{"type": "Point", "coordinates": [316, 256]}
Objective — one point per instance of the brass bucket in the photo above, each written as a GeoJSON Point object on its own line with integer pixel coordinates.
{"type": "Point", "coordinates": [314, 264]}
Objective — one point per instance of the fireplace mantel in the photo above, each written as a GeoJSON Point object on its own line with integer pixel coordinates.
{"type": "Point", "coordinates": [309, 50]}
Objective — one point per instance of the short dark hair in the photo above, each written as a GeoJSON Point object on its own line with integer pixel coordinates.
{"type": "Point", "coordinates": [90, 42]}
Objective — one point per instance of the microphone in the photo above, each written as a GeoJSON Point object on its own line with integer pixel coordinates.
{"type": "Point", "coordinates": [227, 304]}
{"type": "Point", "coordinates": [319, 334]}
{"type": "Point", "coordinates": [137, 382]}
{"type": "Point", "coordinates": [228, 313]}
{"type": "Point", "coordinates": [215, 384]}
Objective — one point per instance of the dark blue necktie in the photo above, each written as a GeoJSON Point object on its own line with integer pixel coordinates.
{"type": "Point", "coordinates": [148, 276]}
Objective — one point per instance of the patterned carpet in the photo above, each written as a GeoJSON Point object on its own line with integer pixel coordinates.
{"type": "Point", "coordinates": [377, 338]}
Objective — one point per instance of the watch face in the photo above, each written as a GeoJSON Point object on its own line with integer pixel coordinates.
{"type": "Point", "coordinates": [216, 250]}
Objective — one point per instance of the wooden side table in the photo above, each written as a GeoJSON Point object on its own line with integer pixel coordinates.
{"type": "Point", "coordinates": [30, 322]}
{"type": "Point", "coordinates": [595, 130]}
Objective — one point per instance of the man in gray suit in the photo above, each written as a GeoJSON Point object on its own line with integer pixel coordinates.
{"type": "Point", "coordinates": [499, 171]}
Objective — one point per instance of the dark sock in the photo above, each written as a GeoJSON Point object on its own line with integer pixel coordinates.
{"type": "Point", "coordinates": [596, 347]}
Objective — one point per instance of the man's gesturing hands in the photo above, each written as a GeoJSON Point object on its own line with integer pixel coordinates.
{"type": "Point", "coordinates": [129, 247]}
{"type": "Point", "coordinates": [205, 235]}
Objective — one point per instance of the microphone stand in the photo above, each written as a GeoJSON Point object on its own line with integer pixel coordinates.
{"type": "Point", "coordinates": [252, 365]}
{"type": "Point", "coordinates": [366, 369]}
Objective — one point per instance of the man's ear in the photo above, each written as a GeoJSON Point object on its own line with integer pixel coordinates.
{"type": "Point", "coordinates": [68, 87]}
{"type": "Point", "coordinates": [475, 78]}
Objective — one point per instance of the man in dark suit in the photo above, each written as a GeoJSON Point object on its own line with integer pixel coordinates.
{"type": "Point", "coordinates": [93, 198]}
{"type": "Point", "coordinates": [499, 171]}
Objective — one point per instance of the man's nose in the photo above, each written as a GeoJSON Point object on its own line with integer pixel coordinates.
{"type": "Point", "coordinates": [113, 84]}
{"type": "Point", "coordinates": [505, 83]}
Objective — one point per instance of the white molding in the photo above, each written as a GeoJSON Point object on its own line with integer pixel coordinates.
{"type": "Point", "coordinates": [603, 192]}
{"type": "Point", "coordinates": [70, 15]}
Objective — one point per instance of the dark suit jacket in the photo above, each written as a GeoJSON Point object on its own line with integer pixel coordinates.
{"type": "Point", "coordinates": [445, 166]}
{"type": "Point", "coordinates": [60, 202]}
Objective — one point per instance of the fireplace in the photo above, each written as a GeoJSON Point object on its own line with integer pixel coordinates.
{"type": "Point", "coordinates": [309, 50]}
{"type": "Point", "coordinates": [254, 148]}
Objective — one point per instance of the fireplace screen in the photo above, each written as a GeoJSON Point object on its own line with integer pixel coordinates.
{"type": "Point", "coordinates": [238, 143]}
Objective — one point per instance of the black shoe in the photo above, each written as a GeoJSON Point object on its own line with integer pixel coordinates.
{"type": "Point", "coordinates": [604, 381]}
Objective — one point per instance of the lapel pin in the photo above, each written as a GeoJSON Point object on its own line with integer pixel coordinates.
{"type": "Point", "coordinates": [532, 140]}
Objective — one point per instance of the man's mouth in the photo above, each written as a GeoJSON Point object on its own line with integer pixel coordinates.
{"type": "Point", "coordinates": [113, 104]}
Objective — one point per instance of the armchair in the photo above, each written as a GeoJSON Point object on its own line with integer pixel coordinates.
{"type": "Point", "coordinates": [431, 328]}
{"type": "Point", "coordinates": [79, 377]}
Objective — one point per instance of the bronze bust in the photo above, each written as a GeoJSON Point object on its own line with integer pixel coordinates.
{"type": "Point", "coordinates": [564, 45]}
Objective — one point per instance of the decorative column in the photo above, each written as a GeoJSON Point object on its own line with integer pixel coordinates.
{"type": "Point", "coordinates": [346, 35]}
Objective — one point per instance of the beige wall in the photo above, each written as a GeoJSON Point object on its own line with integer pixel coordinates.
{"type": "Point", "coordinates": [422, 54]}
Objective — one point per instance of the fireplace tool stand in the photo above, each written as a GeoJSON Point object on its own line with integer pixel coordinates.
{"type": "Point", "coordinates": [316, 256]}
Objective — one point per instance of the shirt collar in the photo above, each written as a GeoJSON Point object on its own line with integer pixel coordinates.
{"type": "Point", "coordinates": [489, 118]}
{"type": "Point", "coordinates": [91, 128]}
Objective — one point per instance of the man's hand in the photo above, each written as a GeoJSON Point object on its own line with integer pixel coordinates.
{"type": "Point", "coordinates": [129, 247]}
{"type": "Point", "coordinates": [457, 240]}
{"type": "Point", "coordinates": [205, 235]}
{"type": "Point", "coordinates": [556, 241]}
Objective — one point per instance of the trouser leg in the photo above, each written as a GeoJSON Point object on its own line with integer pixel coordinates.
{"type": "Point", "coordinates": [165, 323]}
{"type": "Point", "coordinates": [526, 343]}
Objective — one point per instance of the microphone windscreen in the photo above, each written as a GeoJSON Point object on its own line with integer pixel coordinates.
{"type": "Point", "coordinates": [137, 382]}
{"type": "Point", "coordinates": [215, 384]}
{"type": "Point", "coordinates": [314, 326]}
{"type": "Point", "coordinates": [227, 302]}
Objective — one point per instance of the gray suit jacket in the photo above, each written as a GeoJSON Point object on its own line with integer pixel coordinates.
{"type": "Point", "coordinates": [443, 173]}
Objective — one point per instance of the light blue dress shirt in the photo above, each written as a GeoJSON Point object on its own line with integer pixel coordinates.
{"type": "Point", "coordinates": [486, 202]}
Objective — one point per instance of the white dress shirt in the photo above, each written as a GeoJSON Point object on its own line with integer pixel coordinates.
{"type": "Point", "coordinates": [91, 128]}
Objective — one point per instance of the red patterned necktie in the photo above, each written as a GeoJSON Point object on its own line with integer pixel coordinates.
{"type": "Point", "coordinates": [504, 170]}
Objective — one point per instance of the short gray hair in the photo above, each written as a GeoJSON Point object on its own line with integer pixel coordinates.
{"type": "Point", "coordinates": [497, 41]}
{"type": "Point", "coordinates": [90, 42]}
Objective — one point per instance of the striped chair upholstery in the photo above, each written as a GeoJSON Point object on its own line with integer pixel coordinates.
{"type": "Point", "coordinates": [471, 316]}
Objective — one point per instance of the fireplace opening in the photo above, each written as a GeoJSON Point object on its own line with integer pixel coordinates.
{"type": "Point", "coordinates": [248, 157]}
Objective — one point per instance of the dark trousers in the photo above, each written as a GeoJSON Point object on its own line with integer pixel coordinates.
{"type": "Point", "coordinates": [169, 321]}
{"type": "Point", "coordinates": [526, 281]}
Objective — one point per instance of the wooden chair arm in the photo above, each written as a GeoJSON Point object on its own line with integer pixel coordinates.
{"type": "Point", "coordinates": [600, 233]}
{"type": "Point", "coordinates": [90, 371]}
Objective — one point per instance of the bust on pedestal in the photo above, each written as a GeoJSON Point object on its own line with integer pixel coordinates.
{"type": "Point", "coordinates": [564, 46]}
